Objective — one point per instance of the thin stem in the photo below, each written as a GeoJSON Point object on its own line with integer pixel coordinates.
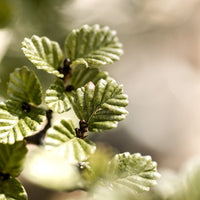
{"type": "Point", "coordinates": [38, 138]}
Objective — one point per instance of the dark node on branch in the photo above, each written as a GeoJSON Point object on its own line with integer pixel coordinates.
{"type": "Point", "coordinates": [66, 70]}
{"type": "Point", "coordinates": [49, 114]}
{"type": "Point", "coordinates": [83, 126]}
{"type": "Point", "coordinates": [80, 132]}
{"type": "Point", "coordinates": [69, 88]}
{"type": "Point", "coordinates": [81, 166]}
{"type": "Point", "coordinates": [38, 138]}
{"type": "Point", "coordinates": [67, 62]}
{"type": "Point", "coordinates": [26, 107]}
{"type": "Point", "coordinates": [4, 177]}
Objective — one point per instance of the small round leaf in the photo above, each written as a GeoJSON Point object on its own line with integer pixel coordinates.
{"type": "Point", "coordinates": [43, 53]}
{"type": "Point", "coordinates": [93, 46]}
{"type": "Point", "coordinates": [17, 123]}
{"type": "Point", "coordinates": [133, 173]}
{"type": "Point", "coordinates": [101, 105]}
{"type": "Point", "coordinates": [24, 86]}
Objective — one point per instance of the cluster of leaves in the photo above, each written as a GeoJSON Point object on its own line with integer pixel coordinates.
{"type": "Point", "coordinates": [81, 85]}
{"type": "Point", "coordinates": [173, 185]}
{"type": "Point", "coordinates": [11, 158]}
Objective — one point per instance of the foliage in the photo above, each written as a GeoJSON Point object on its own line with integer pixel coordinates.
{"type": "Point", "coordinates": [93, 46]}
{"type": "Point", "coordinates": [11, 163]}
{"type": "Point", "coordinates": [98, 102]}
{"type": "Point", "coordinates": [63, 135]}
{"type": "Point", "coordinates": [43, 53]}
{"type": "Point", "coordinates": [133, 173]}
{"type": "Point", "coordinates": [19, 115]}
{"type": "Point", "coordinates": [101, 105]}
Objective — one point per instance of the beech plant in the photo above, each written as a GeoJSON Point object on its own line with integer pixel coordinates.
{"type": "Point", "coordinates": [98, 102]}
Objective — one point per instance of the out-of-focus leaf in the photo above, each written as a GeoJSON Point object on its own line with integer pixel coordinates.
{"type": "Point", "coordinates": [16, 123]}
{"type": "Point", "coordinates": [83, 75]}
{"type": "Point", "coordinates": [63, 136]}
{"type": "Point", "coordinates": [93, 46]}
{"type": "Point", "coordinates": [56, 99]}
{"type": "Point", "coordinates": [96, 167]}
{"type": "Point", "coordinates": [133, 173]}
{"type": "Point", "coordinates": [12, 189]}
{"type": "Point", "coordinates": [47, 169]}
{"type": "Point", "coordinates": [12, 158]}
{"type": "Point", "coordinates": [43, 53]}
{"type": "Point", "coordinates": [101, 106]}
{"type": "Point", "coordinates": [24, 86]}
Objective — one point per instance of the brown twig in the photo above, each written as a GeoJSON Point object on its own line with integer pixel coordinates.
{"type": "Point", "coordinates": [38, 138]}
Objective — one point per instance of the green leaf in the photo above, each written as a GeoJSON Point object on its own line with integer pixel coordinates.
{"type": "Point", "coordinates": [16, 123]}
{"type": "Point", "coordinates": [24, 86]}
{"type": "Point", "coordinates": [93, 46]}
{"type": "Point", "coordinates": [43, 53]}
{"type": "Point", "coordinates": [12, 189]}
{"type": "Point", "coordinates": [83, 75]}
{"type": "Point", "coordinates": [63, 136]}
{"type": "Point", "coordinates": [12, 158]}
{"type": "Point", "coordinates": [133, 173]}
{"type": "Point", "coordinates": [56, 99]}
{"type": "Point", "coordinates": [101, 106]}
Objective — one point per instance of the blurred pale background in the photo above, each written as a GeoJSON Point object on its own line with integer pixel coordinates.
{"type": "Point", "coordinates": [160, 69]}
